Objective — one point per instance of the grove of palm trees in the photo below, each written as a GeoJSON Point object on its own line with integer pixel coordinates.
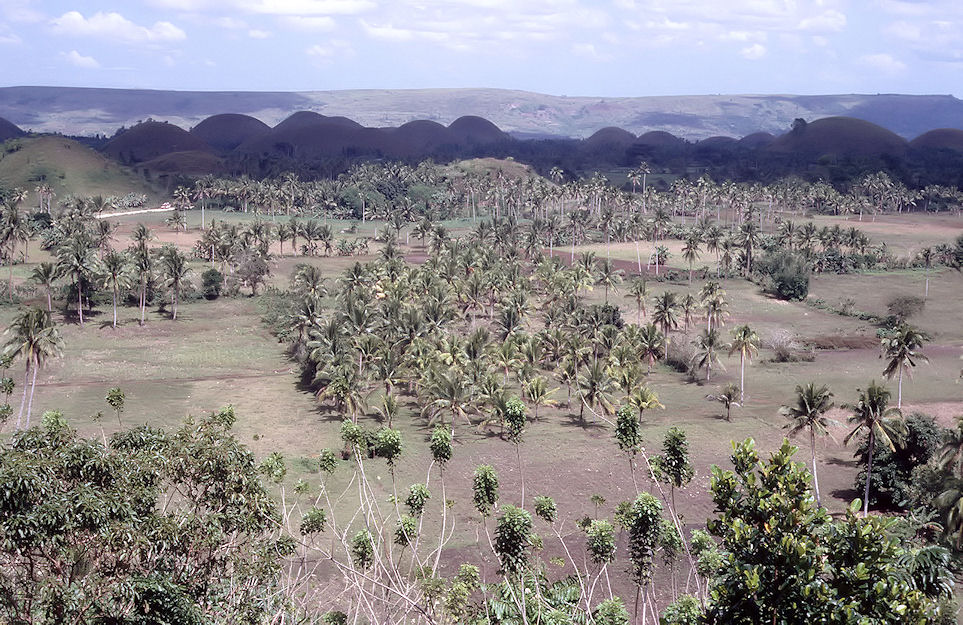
{"type": "Point", "coordinates": [467, 393]}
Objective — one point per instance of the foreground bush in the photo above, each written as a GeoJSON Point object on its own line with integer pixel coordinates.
{"type": "Point", "coordinates": [151, 528]}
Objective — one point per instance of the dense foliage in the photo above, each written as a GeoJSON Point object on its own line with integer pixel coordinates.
{"type": "Point", "coordinates": [154, 527]}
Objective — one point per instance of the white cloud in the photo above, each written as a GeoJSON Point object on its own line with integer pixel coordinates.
{"type": "Point", "coordinates": [307, 7]}
{"type": "Point", "coordinates": [327, 53]}
{"type": "Point", "coordinates": [322, 23]}
{"type": "Point", "coordinates": [20, 11]}
{"type": "Point", "coordinates": [7, 36]}
{"type": "Point", "coordinates": [754, 52]}
{"type": "Point", "coordinates": [230, 23]}
{"type": "Point", "coordinates": [883, 63]}
{"type": "Point", "coordinates": [115, 26]}
{"type": "Point", "coordinates": [830, 21]}
{"type": "Point", "coordinates": [255, 33]}
{"type": "Point", "coordinates": [588, 50]}
{"type": "Point", "coordinates": [79, 60]}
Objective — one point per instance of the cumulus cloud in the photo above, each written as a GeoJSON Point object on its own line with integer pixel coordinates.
{"type": "Point", "coordinates": [754, 52]}
{"type": "Point", "coordinates": [255, 33]}
{"type": "Point", "coordinates": [322, 23]}
{"type": "Point", "coordinates": [79, 60]}
{"type": "Point", "coordinates": [116, 27]}
{"type": "Point", "coordinates": [323, 54]}
{"type": "Point", "coordinates": [882, 62]}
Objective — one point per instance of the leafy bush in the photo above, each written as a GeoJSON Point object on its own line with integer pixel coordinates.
{"type": "Point", "coordinates": [902, 307]}
{"type": "Point", "coordinates": [892, 479]}
{"type": "Point", "coordinates": [212, 281]}
{"type": "Point", "coordinates": [784, 274]}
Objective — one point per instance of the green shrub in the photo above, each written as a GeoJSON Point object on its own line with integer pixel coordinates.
{"type": "Point", "coordinates": [211, 282]}
{"type": "Point", "coordinates": [784, 274]}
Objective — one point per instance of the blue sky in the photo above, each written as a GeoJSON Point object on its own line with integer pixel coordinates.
{"type": "Point", "coordinates": [561, 47]}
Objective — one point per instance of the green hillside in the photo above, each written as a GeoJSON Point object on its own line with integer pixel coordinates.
{"type": "Point", "coordinates": [69, 167]}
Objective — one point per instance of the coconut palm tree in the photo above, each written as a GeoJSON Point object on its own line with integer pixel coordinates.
{"type": "Point", "coordinates": [651, 344]}
{"type": "Point", "coordinates": [448, 392]}
{"type": "Point", "coordinates": [809, 413]}
{"type": "Point", "coordinates": [639, 292]}
{"type": "Point", "coordinates": [728, 397]}
{"type": "Point", "coordinates": [115, 276]}
{"type": "Point", "coordinates": [78, 261]}
{"type": "Point", "coordinates": [901, 348]}
{"type": "Point", "coordinates": [45, 274]}
{"type": "Point", "coordinates": [538, 394]}
{"type": "Point", "coordinates": [643, 398]}
{"type": "Point", "coordinates": [595, 388]}
{"type": "Point", "coordinates": [874, 417]}
{"type": "Point", "coordinates": [176, 271]}
{"type": "Point", "coordinates": [708, 346]}
{"type": "Point", "coordinates": [690, 251]}
{"type": "Point", "coordinates": [608, 277]}
{"type": "Point", "coordinates": [34, 337]}
{"type": "Point", "coordinates": [665, 313]}
{"type": "Point", "coordinates": [746, 342]}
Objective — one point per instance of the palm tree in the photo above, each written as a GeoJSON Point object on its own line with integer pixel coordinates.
{"type": "Point", "coordinates": [746, 342]}
{"type": "Point", "coordinates": [643, 398]}
{"type": "Point", "coordinates": [809, 413]}
{"type": "Point", "coordinates": [45, 274]}
{"type": "Point", "coordinates": [639, 292]}
{"type": "Point", "coordinates": [873, 416]}
{"type": "Point", "coordinates": [707, 345]}
{"type": "Point", "coordinates": [609, 277]}
{"type": "Point", "coordinates": [176, 271]}
{"type": "Point", "coordinates": [665, 313]}
{"type": "Point", "coordinates": [33, 336]}
{"type": "Point", "coordinates": [538, 393]}
{"type": "Point", "coordinates": [690, 251]}
{"type": "Point", "coordinates": [116, 276]}
{"type": "Point", "coordinates": [651, 344]}
{"type": "Point", "coordinates": [77, 260]}
{"type": "Point", "coordinates": [595, 389]}
{"type": "Point", "coordinates": [727, 397]}
{"type": "Point", "coordinates": [448, 392]}
{"type": "Point", "coordinates": [901, 346]}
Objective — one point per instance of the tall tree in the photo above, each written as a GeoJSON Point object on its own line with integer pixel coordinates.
{"type": "Point", "coordinates": [745, 341]}
{"type": "Point", "coordinates": [874, 417]}
{"type": "Point", "coordinates": [901, 347]}
{"type": "Point", "coordinates": [115, 276]}
{"type": "Point", "coordinates": [34, 337]}
{"type": "Point", "coordinates": [809, 413]}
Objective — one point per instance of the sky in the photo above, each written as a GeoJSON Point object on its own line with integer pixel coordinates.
{"type": "Point", "coordinates": [560, 47]}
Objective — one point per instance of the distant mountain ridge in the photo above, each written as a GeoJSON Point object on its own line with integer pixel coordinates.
{"type": "Point", "coordinates": [89, 111]}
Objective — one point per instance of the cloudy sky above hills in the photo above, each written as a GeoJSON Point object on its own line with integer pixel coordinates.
{"type": "Point", "coordinates": [564, 47]}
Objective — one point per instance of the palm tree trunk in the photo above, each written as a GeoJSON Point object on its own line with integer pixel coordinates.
{"type": "Point", "coordinates": [115, 306]}
{"type": "Point", "coordinates": [869, 472]}
{"type": "Point", "coordinates": [521, 472]}
{"type": "Point", "coordinates": [80, 303]}
{"type": "Point", "coordinates": [812, 444]}
{"type": "Point", "coordinates": [742, 379]}
{"type": "Point", "coordinates": [23, 401]}
{"type": "Point", "coordinates": [174, 316]}
{"type": "Point", "coordinates": [49, 301]}
{"type": "Point", "coordinates": [33, 385]}
{"type": "Point", "coordinates": [899, 389]}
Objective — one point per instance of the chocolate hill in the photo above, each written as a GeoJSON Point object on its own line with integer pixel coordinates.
{"type": "Point", "coordinates": [226, 131]}
{"type": "Point", "coordinates": [151, 139]}
{"type": "Point", "coordinates": [841, 136]}
{"type": "Point", "coordinates": [9, 130]}
{"type": "Point", "coordinates": [939, 139]}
